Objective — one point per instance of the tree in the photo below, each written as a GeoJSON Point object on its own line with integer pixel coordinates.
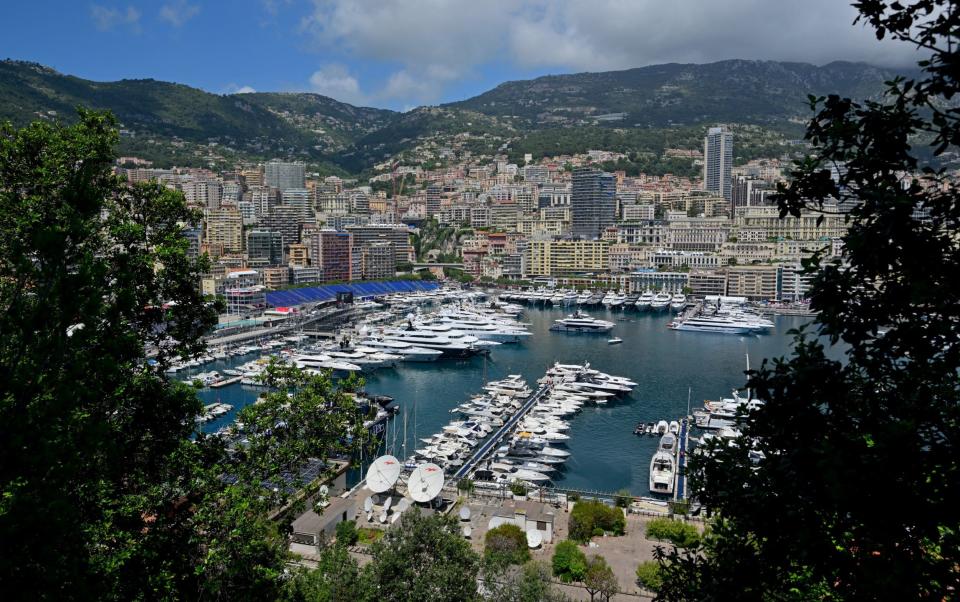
{"type": "Point", "coordinates": [529, 583]}
{"type": "Point", "coordinates": [107, 490]}
{"type": "Point", "coordinates": [648, 575]}
{"type": "Point", "coordinates": [336, 578]}
{"type": "Point", "coordinates": [423, 558]}
{"type": "Point", "coordinates": [599, 579]}
{"type": "Point", "coordinates": [836, 438]}
{"type": "Point", "coordinates": [569, 562]}
{"type": "Point", "coordinates": [506, 544]}
{"type": "Point", "coordinates": [347, 533]}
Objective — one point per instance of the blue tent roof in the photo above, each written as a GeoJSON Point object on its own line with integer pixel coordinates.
{"type": "Point", "coordinates": [313, 294]}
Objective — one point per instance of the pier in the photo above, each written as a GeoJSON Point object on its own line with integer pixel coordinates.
{"type": "Point", "coordinates": [494, 440]}
{"type": "Point", "coordinates": [680, 491]}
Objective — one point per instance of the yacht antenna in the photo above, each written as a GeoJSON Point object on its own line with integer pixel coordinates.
{"type": "Point", "coordinates": [689, 391]}
{"type": "Point", "coordinates": [749, 391]}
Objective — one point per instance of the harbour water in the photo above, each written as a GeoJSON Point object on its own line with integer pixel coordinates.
{"type": "Point", "coordinates": [606, 455]}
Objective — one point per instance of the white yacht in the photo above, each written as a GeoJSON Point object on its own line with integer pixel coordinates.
{"type": "Point", "coordinates": [618, 299]}
{"type": "Point", "coordinates": [645, 300]}
{"type": "Point", "coordinates": [324, 362]}
{"type": "Point", "coordinates": [581, 322]}
{"type": "Point", "coordinates": [712, 324]}
{"type": "Point", "coordinates": [584, 297]}
{"type": "Point", "coordinates": [660, 301]}
{"type": "Point", "coordinates": [662, 472]}
{"type": "Point", "coordinates": [678, 302]}
{"type": "Point", "coordinates": [451, 344]}
{"type": "Point", "coordinates": [488, 330]}
{"type": "Point", "coordinates": [408, 352]}
{"type": "Point", "coordinates": [608, 298]}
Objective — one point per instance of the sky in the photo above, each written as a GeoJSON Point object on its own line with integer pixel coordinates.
{"type": "Point", "coordinates": [400, 54]}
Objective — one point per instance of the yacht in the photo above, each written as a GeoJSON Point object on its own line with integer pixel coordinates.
{"type": "Point", "coordinates": [608, 298]}
{"type": "Point", "coordinates": [660, 301]}
{"type": "Point", "coordinates": [712, 324]}
{"type": "Point", "coordinates": [584, 297]}
{"type": "Point", "coordinates": [324, 362]}
{"type": "Point", "coordinates": [618, 299]}
{"type": "Point", "coordinates": [482, 329]}
{"type": "Point", "coordinates": [661, 472]}
{"type": "Point", "coordinates": [449, 344]}
{"type": "Point", "coordinates": [581, 322]}
{"type": "Point", "coordinates": [645, 300]}
{"type": "Point", "coordinates": [408, 352]}
{"type": "Point", "coordinates": [678, 302]}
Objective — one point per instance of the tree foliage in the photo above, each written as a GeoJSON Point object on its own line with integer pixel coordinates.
{"type": "Point", "coordinates": [856, 493]}
{"type": "Point", "coordinates": [589, 517]}
{"type": "Point", "coordinates": [104, 493]}
{"type": "Point", "coordinates": [424, 558]}
{"type": "Point", "coordinates": [569, 563]}
{"type": "Point", "coordinates": [676, 532]}
{"type": "Point", "coordinates": [527, 583]}
{"type": "Point", "coordinates": [506, 544]}
{"type": "Point", "coordinates": [599, 579]}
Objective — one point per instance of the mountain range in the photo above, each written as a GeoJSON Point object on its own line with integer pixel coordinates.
{"type": "Point", "coordinates": [174, 123]}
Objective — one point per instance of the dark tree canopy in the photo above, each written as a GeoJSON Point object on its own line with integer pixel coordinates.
{"type": "Point", "coordinates": [857, 492]}
{"type": "Point", "coordinates": [103, 493]}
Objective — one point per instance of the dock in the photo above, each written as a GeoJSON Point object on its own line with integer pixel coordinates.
{"type": "Point", "coordinates": [680, 491]}
{"type": "Point", "coordinates": [484, 449]}
{"type": "Point", "coordinates": [225, 382]}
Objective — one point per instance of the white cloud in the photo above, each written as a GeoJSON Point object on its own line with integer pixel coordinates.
{"type": "Point", "coordinates": [179, 12]}
{"type": "Point", "coordinates": [435, 43]}
{"type": "Point", "coordinates": [233, 88]}
{"type": "Point", "coordinates": [272, 7]}
{"type": "Point", "coordinates": [107, 18]}
{"type": "Point", "coordinates": [335, 81]}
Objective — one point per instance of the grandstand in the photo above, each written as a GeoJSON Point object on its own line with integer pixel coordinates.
{"type": "Point", "coordinates": [360, 290]}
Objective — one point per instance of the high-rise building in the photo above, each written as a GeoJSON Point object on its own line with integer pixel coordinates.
{"type": "Point", "coordinates": [264, 244]}
{"type": "Point", "coordinates": [297, 197]}
{"type": "Point", "coordinates": [592, 203]}
{"type": "Point", "coordinates": [283, 175]}
{"type": "Point", "coordinates": [717, 161]}
{"type": "Point", "coordinates": [286, 220]}
{"type": "Point", "coordinates": [335, 255]}
{"type": "Point", "coordinates": [379, 261]}
{"type": "Point", "coordinates": [433, 200]}
{"type": "Point", "coordinates": [225, 227]}
{"type": "Point", "coordinates": [397, 234]}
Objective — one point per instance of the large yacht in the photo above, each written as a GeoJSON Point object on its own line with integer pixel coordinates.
{"type": "Point", "coordinates": [712, 324]}
{"type": "Point", "coordinates": [581, 322]}
{"type": "Point", "coordinates": [450, 343]}
{"type": "Point", "coordinates": [660, 301]}
{"type": "Point", "coordinates": [645, 300]}
{"type": "Point", "coordinates": [410, 353]}
{"type": "Point", "coordinates": [489, 330]}
{"type": "Point", "coordinates": [678, 302]}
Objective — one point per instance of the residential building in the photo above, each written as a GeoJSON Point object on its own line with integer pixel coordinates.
{"type": "Point", "coordinates": [707, 283]}
{"type": "Point", "coordinates": [592, 203]}
{"type": "Point", "coordinates": [225, 227]}
{"type": "Point", "coordinates": [755, 282]}
{"type": "Point", "coordinates": [553, 257]}
{"type": "Point", "coordinates": [717, 161]}
{"type": "Point", "coordinates": [283, 175]}
{"type": "Point", "coordinates": [334, 255]}
{"type": "Point", "coordinates": [379, 261]}
{"type": "Point", "coordinates": [265, 245]}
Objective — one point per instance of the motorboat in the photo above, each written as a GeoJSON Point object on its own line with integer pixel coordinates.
{"type": "Point", "coordinates": [660, 301]}
{"type": "Point", "coordinates": [714, 324]}
{"type": "Point", "coordinates": [678, 302]}
{"type": "Point", "coordinates": [581, 322]}
{"type": "Point", "coordinates": [662, 472]}
{"type": "Point", "coordinates": [408, 352]}
{"type": "Point", "coordinates": [646, 298]}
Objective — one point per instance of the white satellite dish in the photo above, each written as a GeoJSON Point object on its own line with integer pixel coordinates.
{"type": "Point", "coordinates": [323, 496]}
{"type": "Point", "coordinates": [368, 504]}
{"type": "Point", "coordinates": [387, 503]}
{"type": "Point", "coordinates": [465, 513]}
{"type": "Point", "coordinates": [383, 517]}
{"type": "Point", "coordinates": [425, 482]}
{"type": "Point", "coordinates": [467, 531]}
{"type": "Point", "coordinates": [383, 473]}
{"type": "Point", "coordinates": [534, 538]}
{"type": "Point", "coordinates": [402, 505]}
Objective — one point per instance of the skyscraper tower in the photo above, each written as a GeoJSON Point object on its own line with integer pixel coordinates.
{"type": "Point", "coordinates": [717, 161]}
{"type": "Point", "coordinates": [592, 203]}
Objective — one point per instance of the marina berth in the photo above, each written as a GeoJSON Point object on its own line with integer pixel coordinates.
{"type": "Point", "coordinates": [660, 301]}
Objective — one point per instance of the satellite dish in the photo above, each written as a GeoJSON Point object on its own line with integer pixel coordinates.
{"type": "Point", "coordinates": [425, 482]}
{"type": "Point", "coordinates": [465, 513]}
{"type": "Point", "coordinates": [387, 503]}
{"type": "Point", "coordinates": [383, 517]}
{"type": "Point", "coordinates": [323, 499]}
{"type": "Point", "coordinates": [467, 531]}
{"type": "Point", "coordinates": [383, 473]}
{"type": "Point", "coordinates": [534, 538]}
{"type": "Point", "coordinates": [402, 505]}
{"type": "Point", "coordinates": [368, 504]}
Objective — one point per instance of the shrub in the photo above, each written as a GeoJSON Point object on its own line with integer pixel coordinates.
{"type": "Point", "coordinates": [518, 488]}
{"type": "Point", "coordinates": [623, 499]}
{"type": "Point", "coordinates": [569, 562]}
{"type": "Point", "coordinates": [573, 497]}
{"type": "Point", "coordinates": [506, 544]}
{"type": "Point", "coordinates": [465, 485]}
{"type": "Point", "coordinates": [648, 575]}
{"type": "Point", "coordinates": [347, 532]}
{"type": "Point", "coordinates": [589, 518]}
{"type": "Point", "coordinates": [678, 533]}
